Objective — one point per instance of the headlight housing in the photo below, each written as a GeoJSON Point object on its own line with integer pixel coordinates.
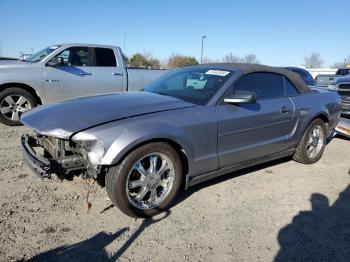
{"type": "Point", "coordinates": [92, 145]}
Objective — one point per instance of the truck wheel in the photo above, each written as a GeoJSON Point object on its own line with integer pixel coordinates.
{"type": "Point", "coordinates": [13, 102]}
{"type": "Point", "coordinates": [312, 144]}
{"type": "Point", "coordinates": [146, 182]}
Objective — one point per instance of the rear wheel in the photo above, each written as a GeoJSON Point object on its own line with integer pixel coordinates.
{"type": "Point", "coordinates": [13, 103]}
{"type": "Point", "coordinates": [312, 145]}
{"type": "Point", "coordinates": [146, 181]}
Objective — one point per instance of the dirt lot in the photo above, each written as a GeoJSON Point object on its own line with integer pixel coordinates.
{"type": "Point", "coordinates": [282, 210]}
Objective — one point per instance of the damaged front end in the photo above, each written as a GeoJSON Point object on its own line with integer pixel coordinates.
{"type": "Point", "coordinates": [47, 155]}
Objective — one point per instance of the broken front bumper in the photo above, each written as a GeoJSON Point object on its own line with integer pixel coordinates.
{"type": "Point", "coordinates": [45, 163]}
{"type": "Point", "coordinates": [343, 127]}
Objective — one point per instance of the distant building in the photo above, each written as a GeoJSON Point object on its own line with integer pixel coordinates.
{"type": "Point", "coordinates": [317, 71]}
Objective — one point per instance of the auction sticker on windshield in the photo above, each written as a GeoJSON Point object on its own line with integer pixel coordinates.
{"type": "Point", "coordinates": [217, 72]}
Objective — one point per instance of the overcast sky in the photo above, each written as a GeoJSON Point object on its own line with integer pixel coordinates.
{"type": "Point", "coordinates": [278, 32]}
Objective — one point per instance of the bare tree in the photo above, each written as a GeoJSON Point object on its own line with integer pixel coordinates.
{"type": "Point", "coordinates": [250, 58]}
{"type": "Point", "coordinates": [207, 60]}
{"type": "Point", "coordinates": [230, 58]}
{"type": "Point", "coordinates": [313, 61]}
{"type": "Point", "coordinates": [344, 63]}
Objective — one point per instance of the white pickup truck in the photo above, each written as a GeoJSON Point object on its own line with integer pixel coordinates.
{"type": "Point", "coordinates": [65, 71]}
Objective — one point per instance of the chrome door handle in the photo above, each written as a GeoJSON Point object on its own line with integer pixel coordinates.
{"type": "Point", "coordinates": [85, 74]}
{"type": "Point", "coordinates": [285, 109]}
{"type": "Point", "coordinates": [117, 74]}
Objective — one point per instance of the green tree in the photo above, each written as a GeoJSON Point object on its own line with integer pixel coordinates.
{"type": "Point", "coordinates": [176, 61]}
{"type": "Point", "coordinates": [143, 61]}
{"type": "Point", "coordinates": [138, 60]}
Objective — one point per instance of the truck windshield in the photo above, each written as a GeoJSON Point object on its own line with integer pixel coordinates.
{"type": "Point", "coordinates": [194, 85]}
{"type": "Point", "coordinates": [42, 54]}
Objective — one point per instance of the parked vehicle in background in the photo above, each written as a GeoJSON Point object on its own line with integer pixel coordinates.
{"type": "Point", "coordinates": [24, 57]}
{"type": "Point", "coordinates": [7, 59]}
{"type": "Point", "coordinates": [325, 80]}
{"type": "Point", "coordinates": [65, 71]}
{"type": "Point", "coordinates": [304, 74]}
{"type": "Point", "coordinates": [342, 86]}
{"type": "Point", "coordinates": [192, 124]}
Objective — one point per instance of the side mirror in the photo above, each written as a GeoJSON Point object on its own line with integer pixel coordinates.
{"type": "Point", "coordinates": [241, 97]}
{"type": "Point", "coordinates": [56, 61]}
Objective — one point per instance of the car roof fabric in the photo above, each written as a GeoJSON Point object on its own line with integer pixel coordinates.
{"type": "Point", "coordinates": [255, 68]}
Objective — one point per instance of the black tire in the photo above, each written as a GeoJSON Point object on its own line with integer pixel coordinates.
{"type": "Point", "coordinates": [116, 179]}
{"type": "Point", "coordinates": [301, 154]}
{"type": "Point", "coordinates": [15, 92]}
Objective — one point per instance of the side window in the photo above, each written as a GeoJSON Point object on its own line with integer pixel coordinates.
{"type": "Point", "coordinates": [264, 85]}
{"type": "Point", "coordinates": [105, 57]}
{"type": "Point", "coordinates": [290, 88]}
{"type": "Point", "coordinates": [75, 56]}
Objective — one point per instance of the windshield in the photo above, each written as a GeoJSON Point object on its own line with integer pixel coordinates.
{"type": "Point", "coordinates": [42, 54]}
{"type": "Point", "coordinates": [195, 85]}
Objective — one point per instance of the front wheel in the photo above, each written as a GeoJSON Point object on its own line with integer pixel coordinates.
{"type": "Point", "coordinates": [146, 182]}
{"type": "Point", "coordinates": [312, 144]}
{"type": "Point", "coordinates": [13, 103]}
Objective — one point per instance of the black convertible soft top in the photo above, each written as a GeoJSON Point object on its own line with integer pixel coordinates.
{"type": "Point", "coordinates": [251, 68]}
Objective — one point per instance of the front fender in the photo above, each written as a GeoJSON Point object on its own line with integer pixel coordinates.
{"type": "Point", "coordinates": [119, 138]}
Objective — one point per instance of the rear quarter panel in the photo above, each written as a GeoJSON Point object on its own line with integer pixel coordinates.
{"type": "Point", "coordinates": [312, 105]}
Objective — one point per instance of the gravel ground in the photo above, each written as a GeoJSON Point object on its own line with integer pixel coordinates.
{"type": "Point", "coordinates": [282, 210]}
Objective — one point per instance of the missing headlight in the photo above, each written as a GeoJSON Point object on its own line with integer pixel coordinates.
{"type": "Point", "coordinates": [93, 147]}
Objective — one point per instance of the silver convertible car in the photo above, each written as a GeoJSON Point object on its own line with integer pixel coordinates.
{"type": "Point", "coordinates": [191, 125]}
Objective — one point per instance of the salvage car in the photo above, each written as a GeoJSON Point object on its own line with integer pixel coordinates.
{"type": "Point", "coordinates": [145, 144]}
{"type": "Point", "coordinates": [65, 71]}
{"type": "Point", "coordinates": [343, 128]}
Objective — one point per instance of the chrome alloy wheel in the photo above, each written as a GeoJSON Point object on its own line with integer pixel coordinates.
{"type": "Point", "coordinates": [315, 142]}
{"type": "Point", "coordinates": [150, 181]}
{"type": "Point", "coordinates": [12, 106]}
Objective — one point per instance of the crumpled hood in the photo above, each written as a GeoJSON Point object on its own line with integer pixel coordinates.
{"type": "Point", "coordinates": [63, 119]}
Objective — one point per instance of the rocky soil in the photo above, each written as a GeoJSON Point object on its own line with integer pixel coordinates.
{"type": "Point", "coordinates": [282, 210]}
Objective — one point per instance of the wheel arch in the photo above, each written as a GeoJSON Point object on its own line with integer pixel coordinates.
{"type": "Point", "coordinates": [25, 87]}
{"type": "Point", "coordinates": [180, 150]}
{"type": "Point", "coordinates": [323, 116]}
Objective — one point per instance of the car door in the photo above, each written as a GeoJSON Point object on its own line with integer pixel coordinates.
{"type": "Point", "coordinates": [73, 78]}
{"type": "Point", "coordinates": [250, 131]}
{"type": "Point", "coordinates": [108, 75]}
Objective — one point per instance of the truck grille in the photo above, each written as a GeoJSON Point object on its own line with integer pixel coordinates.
{"type": "Point", "coordinates": [344, 93]}
{"type": "Point", "coordinates": [345, 106]}
{"type": "Point", "coordinates": [344, 87]}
